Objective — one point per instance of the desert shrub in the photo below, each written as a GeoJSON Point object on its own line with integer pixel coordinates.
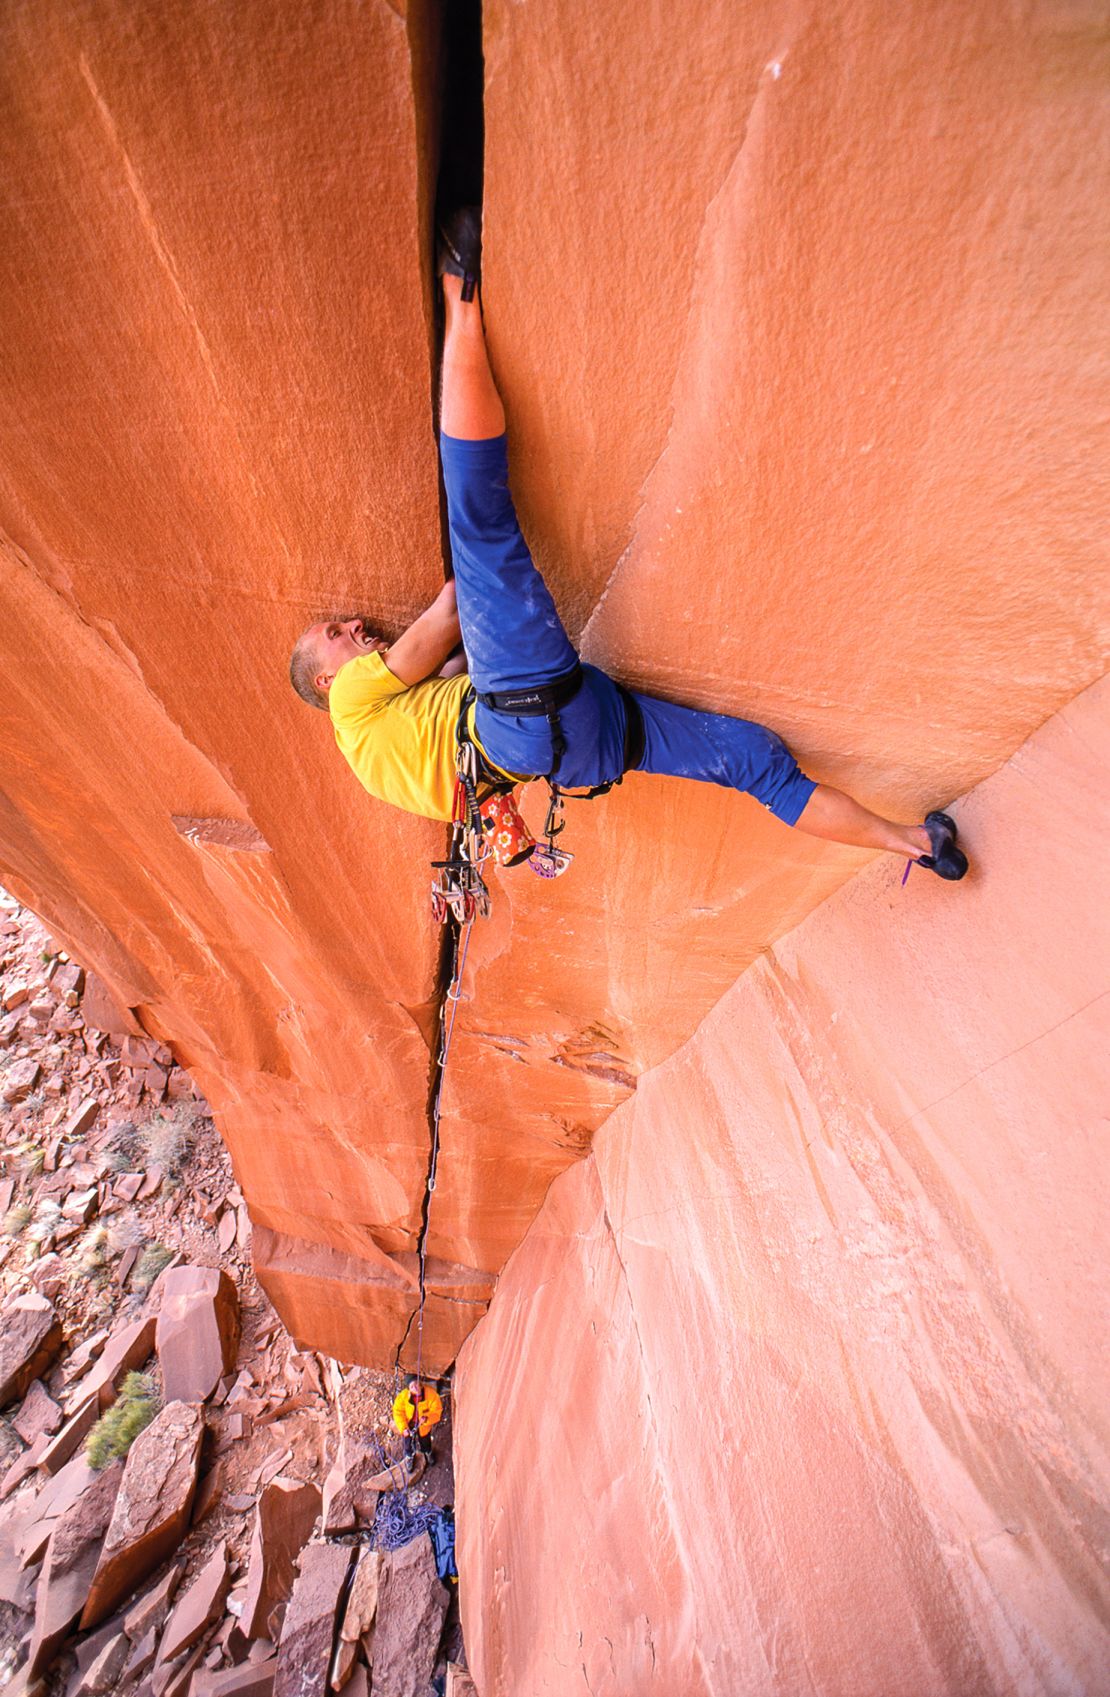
{"type": "Point", "coordinates": [154, 1258]}
{"type": "Point", "coordinates": [169, 1142]}
{"type": "Point", "coordinates": [17, 1219]}
{"type": "Point", "coordinates": [93, 1254]}
{"type": "Point", "coordinates": [115, 1432]}
{"type": "Point", "coordinates": [32, 1158]}
{"type": "Point", "coordinates": [125, 1148]}
{"type": "Point", "coordinates": [124, 1232]}
{"type": "Point", "coordinates": [48, 1217]}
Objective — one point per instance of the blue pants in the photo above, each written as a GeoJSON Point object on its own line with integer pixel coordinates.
{"type": "Point", "coordinates": [514, 639]}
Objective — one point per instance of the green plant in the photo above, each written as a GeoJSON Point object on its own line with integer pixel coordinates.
{"type": "Point", "coordinates": [154, 1258]}
{"type": "Point", "coordinates": [115, 1432]}
{"type": "Point", "coordinates": [17, 1219]}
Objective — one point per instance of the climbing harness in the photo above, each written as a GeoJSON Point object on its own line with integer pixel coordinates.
{"type": "Point", "coordinates": [461, 890]}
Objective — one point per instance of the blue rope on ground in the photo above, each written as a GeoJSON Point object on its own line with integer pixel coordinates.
{"type": "Point", "coordinates": [397, 1522]}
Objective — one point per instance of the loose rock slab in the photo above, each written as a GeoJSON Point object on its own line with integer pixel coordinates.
{"type": "Point", "coordinates": [198, 1331]}
{"type": "Point", "coordinates": [287, 1512]}
{"type": "Point", "coordinates": [30, 1338]}
{"type": "Point", "coordinates": [304, 1653]}
{"type": "Point", "coordinates": [152, 1510]}
{"type": "Point", "coordinates": [71, 1559]}
{"type": "Point", "coordinates": [412, 1604]}
{"type": "Point", "coordinates": [197, 1607]}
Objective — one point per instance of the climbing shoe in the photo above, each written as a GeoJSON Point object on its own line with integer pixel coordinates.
{"type": "Point", "coordinates": [947, 860]}
{"type": "Point", "coordinates": [459, 247]}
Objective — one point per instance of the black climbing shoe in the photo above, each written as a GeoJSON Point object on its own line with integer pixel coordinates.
{"type": "Point", "coordinates": [459, 247]}
{"type": "Point", "coordinates": [946, 860]}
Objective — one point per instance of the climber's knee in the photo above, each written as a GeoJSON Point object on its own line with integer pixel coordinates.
{"type": "Point", "coordinates": [778, 781]}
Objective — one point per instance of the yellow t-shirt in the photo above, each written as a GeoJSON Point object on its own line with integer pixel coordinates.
{"type": "Point", "coordinates": [399, 739]}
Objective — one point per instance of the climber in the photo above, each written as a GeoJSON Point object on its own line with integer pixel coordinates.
{"type": "Point", "coordinates": [396, 707]}
{"type": "Point", "coordinates": [418, 1405]}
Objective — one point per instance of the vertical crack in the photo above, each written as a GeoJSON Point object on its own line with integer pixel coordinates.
{"type": "Point", "coordinates": [448, 77]}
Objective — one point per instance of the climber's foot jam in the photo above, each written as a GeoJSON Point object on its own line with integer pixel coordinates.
{"type": "Point", "coordinates": [459, 248]}
{"type": "Point", "coordinates": [947, 859]}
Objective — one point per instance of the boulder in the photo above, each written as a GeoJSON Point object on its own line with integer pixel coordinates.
{"type": "Point", "coordinates": [105, 1670]}
{"type": "Point", "coordinates": [459, 1682]}
{"type": "Point", "coordinates": [152, 1510]}
{"type": "Point", "coordinates": [30, 1338]}
{"type": "Point", "coordinates": [412, 1604]}
{"type": "Point", "coordinates": [65, 1443]}
{"type": "Point", "coordinates": [198, 1331]}
{"type": "Point", "coordinates": [197, 1607]}
{"type": "Point", "coordinates": [148, 1612]}
{"type": "Point", "coordinates": [286, 1513]}
{"type": "Point", "coordinates": [104, 1011]}
{"type": "Point", "coordinates": [126, 1349]}
{"type": "Point", "coordinates": [355, 1480]}
{"type": "Point", "coordinates": [308, 1630]}
{"type": "Point", "coordinates": [19, 1081]}
{"type": "Point", "coordinates": [71, 1558]}
{"type": "Point", "coordinates": [357, 1624]}
{"type": "Point", "coordinates": [39, 1415]}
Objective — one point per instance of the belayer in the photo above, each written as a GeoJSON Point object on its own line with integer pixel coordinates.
{"type": "Point", "coordinates": [398, 709]}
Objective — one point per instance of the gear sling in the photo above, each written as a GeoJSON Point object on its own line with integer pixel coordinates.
{"type": "Point", "coordinates": [460, 890]}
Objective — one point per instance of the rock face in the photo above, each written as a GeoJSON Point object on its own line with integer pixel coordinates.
{"type": "Point", "coordinates": [781, 474]}
{"type": "Point", "coordinates": [826, 1415]}
{"type": "Point", "coordinates": [798, 371]}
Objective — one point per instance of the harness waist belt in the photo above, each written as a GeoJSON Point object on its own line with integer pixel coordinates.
{"type": "Point", "coordinates": [539, 701]}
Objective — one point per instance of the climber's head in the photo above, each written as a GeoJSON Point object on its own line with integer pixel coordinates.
{"type": "Point", "coordinates": [323, 648]}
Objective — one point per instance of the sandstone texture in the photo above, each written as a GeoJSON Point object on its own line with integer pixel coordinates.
{"type": "Point", "coordinates": [68, 1567]}
{"type": "Point", "coordinates": [308, 1631]}
{"type": "Point", "coordinates": [827, 463]}
{"type": "Point", "coordinates": [411, 1605]}
{"type": "Point", "coordinates": [811, 1352]}
{"type": "Point", "coordinates": [30, 1338]}
{"type": "Point", "coordinates": [152, 1509]}
{"type": "Point", "coordinates": [198, 1330]}
{"type": "Point", "coordinates": [287, 1512]}
{"type": "Point", "coordinates": [795, 309]}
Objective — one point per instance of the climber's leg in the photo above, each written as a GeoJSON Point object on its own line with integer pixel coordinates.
{"type": "Point", "coordinates": [470, 406]}
{"type": "Point", "coordinates": [511, 630]}
{"type": "Point", "coordinates": [832, 814]}
{"type": "Point", "coordinates": [739, 754]}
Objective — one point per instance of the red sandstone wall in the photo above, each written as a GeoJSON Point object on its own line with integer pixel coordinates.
{"type": "Point", "coordinates": [798, 375]}
{"type": "Point", "coordinates": [798, 1383]}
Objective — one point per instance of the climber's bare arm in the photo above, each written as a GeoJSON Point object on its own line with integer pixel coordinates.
{"type": "Point", "coordinates": [454, 664]}
{"type": "Point", "coordinates": [424, 648]}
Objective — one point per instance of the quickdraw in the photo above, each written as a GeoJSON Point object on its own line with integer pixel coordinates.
{"type": "Point", "coordinates": [460, 892]}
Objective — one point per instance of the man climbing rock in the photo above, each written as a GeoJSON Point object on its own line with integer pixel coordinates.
{"type": "Point", "coordinates": [539, 712]}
